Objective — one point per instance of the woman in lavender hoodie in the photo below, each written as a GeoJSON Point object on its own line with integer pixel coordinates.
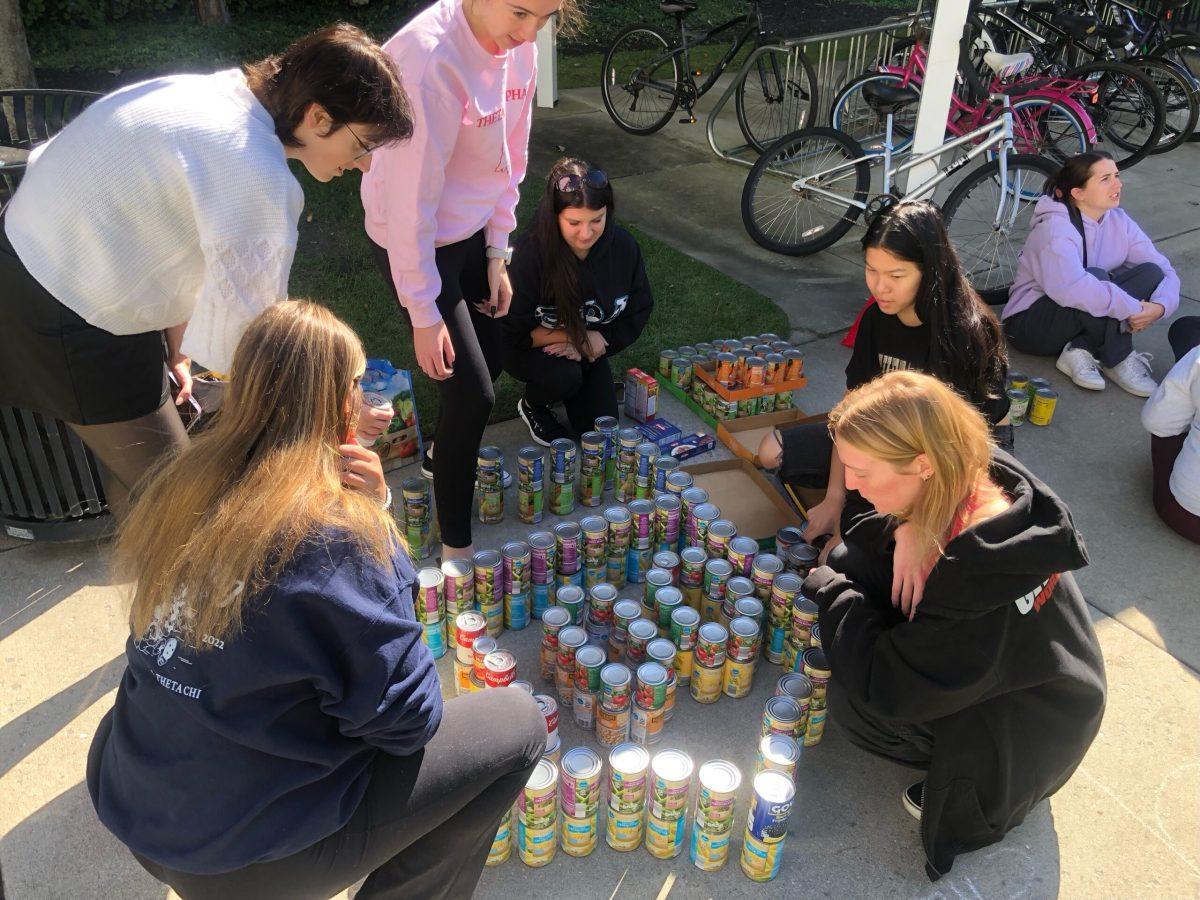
{"type": "Point", "coordinates": [1088, 279]}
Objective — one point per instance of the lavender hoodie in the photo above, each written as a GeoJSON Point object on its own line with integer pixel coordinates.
{"type": "Point", "coordinates": [1051, 264]}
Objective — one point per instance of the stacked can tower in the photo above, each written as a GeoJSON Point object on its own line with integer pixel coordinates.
{"type": "Point", "coordinates": [589, 660]}
{"type": "Point", "coordinates": [649, 702]}
{"type": "Point", "coordinates": [628, 440]}
{"type": "Point", "coordinates": [595, 550]}
{"type": "Point", "coordinates": [614, 704]}
{"type": "Point", "coordinates": [489, 589]}
{"type": "Point", "coordinates": [502, 842]}
{"type": "Point", "coordinates": [580, 785]}
{"type": "Point", "coordinates": [817, 670]}
{"type": "Point", "coordinates": [543, 566]}
{"type": "Point", "coordinates": [562, 476]}
{"type": "Point", "coordinates": [641, 541]}
{"type": "Point", "coordinates": [591, 468]}
{"type": "Point", "coordinates": [489, 485]}
{"type": "Point", "coordinates": [710, 655]}
{"type": "Point", "coordinates": [516, 557]}
{"type": "Point", "coordinates": [458, 595]}
{"type": "Point", "coordinates": [767, 825]}
{"type": "Point", "coordinates": [685, 630]}
{"type": "Point", "coordinates": [620, 523]}
{"type": "Point", "coordinates": [712, 824]}
{"type": "Point", "coordinates": [629, 769]}
{"type": "Point", "coordinates": [608, 428]}
{"type": "Point", "coordinates": [667, 803]}
{"type": "Point", "coordinates": [568, 538]}
{"type": "Point", "coordinates": [536, 816]}
{"type": "Point", "coordinates": [804, 617]}
{"type": "Point", "coordinates": [418, 517]}
{"type": "Point", "coordinates": [531, 480]}
{"type": "Point", "coordinates": [431, 610]}
{"type": "Point", "coordinates": [741, 658]}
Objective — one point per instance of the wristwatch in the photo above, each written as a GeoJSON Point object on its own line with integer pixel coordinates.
{"type": "Point", "coordinates": [500, 253]}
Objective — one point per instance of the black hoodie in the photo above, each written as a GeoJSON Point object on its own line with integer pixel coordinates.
{"type": "Point", "coordinates": [1001, 661]}
{"type": "Point", "coordinates": [614, 293]}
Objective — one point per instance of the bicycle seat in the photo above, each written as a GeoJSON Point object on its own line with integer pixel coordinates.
{"type": "Point", "coordinates": [1117, 35]}
{"type": "Point", "coordinates": [1006, 65]}
{"type": "Point", "coordinates": [1076, 25]}
{"type": "Point", "coordinates": [887, 98]}
{"type": "Point", "coordinates": [681, 8]}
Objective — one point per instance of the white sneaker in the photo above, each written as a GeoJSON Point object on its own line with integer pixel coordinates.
{"type": "Point", "coordinates": [1081, 367]}
{"type": "Point", "coordinates": [1133, 374]}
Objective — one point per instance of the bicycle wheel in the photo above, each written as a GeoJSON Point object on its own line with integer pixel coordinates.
{"type": "Point", "coordinates": [854, 116]}
{"type": "Point", "coordinates": [989, 237]}
{"type": "Point", "coordinates": [1184, 50]}
{"type": "Point", "coordinates": [1180, 101]}
{"type": "Point", "coordinates": [777, 97]}
{"type": "Point", "coordinates": [1046, 127]}
{"type": "Point", "coordinates": [1126, 108]}
{"type": "Point", "coordinates": [639, 81]}
{"type": "Point", "coordinates": [795, 220]}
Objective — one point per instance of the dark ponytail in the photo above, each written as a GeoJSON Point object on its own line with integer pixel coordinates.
{"type": "Point", "coordinates": [967, 348]}
{"type": "Point", "coordinates": [559, 265]}
{"type": "Point", "coordinates": [1074, 173]}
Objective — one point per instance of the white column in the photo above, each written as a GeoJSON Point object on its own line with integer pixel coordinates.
{"type": "Point", "coordinates": [547, 79]}
{"type": "Point", "coordinates": [948, 20]}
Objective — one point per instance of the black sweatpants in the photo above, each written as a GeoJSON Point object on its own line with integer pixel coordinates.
{"type": "Point", "coordinates": [585, 388]}
{"type": "Point", "coordinates": [1046, 327]}
{"type": "Point", "coordinates": [1183, 335]}
{"type": "Point", "coordinates": [424, 827]}
{"type": "Point", "coordinates": [468, 395]}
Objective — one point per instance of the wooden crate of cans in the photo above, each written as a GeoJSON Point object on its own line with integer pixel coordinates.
{"type": "Point", "coordinates": [730, 378]}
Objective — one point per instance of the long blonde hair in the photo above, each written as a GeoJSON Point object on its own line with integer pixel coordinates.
{"type": "Point", "coordinates": [901, 415]}
{"type": "Point", "coordinates": [216, 525]}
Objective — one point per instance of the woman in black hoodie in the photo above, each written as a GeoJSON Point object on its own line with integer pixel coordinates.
{"type": "Point", "coordinates": [580, 295]}
{"type": "Point", "coordinates": [996, 686]}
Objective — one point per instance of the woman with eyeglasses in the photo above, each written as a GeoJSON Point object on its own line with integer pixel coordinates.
{"type": "Point", "coordinates": [580, 296]}
{"type": "Point", "coordinates": [158, 223]}
{"type": "Point", "coordinates": [440, 208]}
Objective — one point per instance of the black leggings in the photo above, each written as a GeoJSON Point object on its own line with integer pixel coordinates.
{"type": "Point", "coordinates": [468, 395]}
{"type": "Point", "coordinates": [1046, 327]}
{"type": "Point", "coordinates": [425, 825]}
{"type": "Point", "coordinates": [585, 388]}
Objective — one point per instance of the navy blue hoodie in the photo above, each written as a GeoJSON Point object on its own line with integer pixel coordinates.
{"type": "Point", "coordinates": [219, 754]}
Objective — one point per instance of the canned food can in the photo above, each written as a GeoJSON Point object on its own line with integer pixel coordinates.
{"type": "Point", "coordinates": [640, 633]}
{"type": "Point", "coordinates": [549, 707]}
{"type": "Point", "coordinates": [667, 600]}
{"type": "Point", "coordinates": [598, 634]}
{"type": "Point", "coordinates": [656, 579]}
{"type": "Point", "coordinates": [814, 636]}
{"type": "Point", "coordinates": [664, 839]}
{"type": "Point", "coordinates": [536, 846]}
{"type": "Point", "coordinates": [770, 807]}
{"type": "Point", "coordinates": [726, 369]}
{"type": "Point", "coordinates": [1018, 380]}
{"type": "Point", "coordinates": [668, 562]}
{"type": "Point", "coordinates": [662, 651]}
{"type": "Point", "coordinates": [589, 661]}
{"type": "Point", "coordinates": [706, 682]}
{"type": "Point", "coordinates": [1034, 385]}
{"type": "Point", "coordinates": [537, 804]}
{"type": "Point", "coordinates": [685, 627]}
{"type": "Point", "coordinates": [1018, 405]}
{"type": "Point", "coordinates": [462, 678]}
{"type": "Point", "coordinates": [804, 616]}
{"type": "Point", "coordinates": [489, 577]}
{"type": "Point", "coordinates": [741, 553]}
{"type": "Point", "coordinates": [531, 465]}
{"type": "Point", "coordinates": [719, 783]}
{"type": "Point", "coordinates": [434, 635]}
{"type": "Point", "coordinates": [624, 612]}
{"type": "Point", "coordinates": [602, 597]}
{"type": "Point", "coordinates": [750, 608]}
{"type": "Point", "coordinates": [691, 567]}
{"type": "Point", "coordinates": [430, 604]}
{"type": "Point", "coordinates": [670, 785]}
{"type": "Point", "coordinates": [709, 851]}
{"type": "Point", "coordinates": [784, 589]}
{"type": "Point", "coordinates": [531, 503]}
{"type": "Point", "coordinates": [763, 570]}
{"type": "Point", "coordinates": [645, 725]}
{"type": "Point", "coordinates": [490, 506]}
{"type": "Point", "coordinates": [554, 620]}
{"type": "Point", "coordinates": [499, 668]}
{"type": "Point", "coordinates": [666, 359]}
{"type": "Point", "coordinates": [470, 627]}
{"type": "Point", "coordinates": [620, 523]}
{"type": "Point", "coordinates": [516, 556]}
{"type": "Point", "coordinates": [760, 861]}
{"type": "Point", "coordinates": [745, 639]}
{"type": "Point", "coordinates": [612, 725]}
{"type": "Point", "coordinates": [516, 611]}
{"type": "Point", "coordinates": [458, 585]}
{"type": "Point", "coordinates": [711, 645]}
{"type": "Point", "coordinates": [667, 514]}
{"type": "Point", "coordinates": [629, 770]}
{"type": "Point", "coordinates": [562, 460]}
{"type": "Point", "coordinates": [816, 667]}
{"type": "Point", "coordinates": [651, 692]}
{"type": "Point", "coordinates": [720, 533]}
{"type": "Point", "coordinates": [673, 480]}
{"type": "Point", "coordinates": [782, 715]}
{"type": "Point", "coordinates": [637, 564]}
{"type": "Point", "coordinates": [580, 782]}
{"type": "Point", "coordinates": [1041, 410]}
{"type": "Point", "coordinates": [698, 521]}
{"type": "Point", "coordinates": [816, 726]}
{"type": "Point", "coordinates": [793, 362]}
{"type": "Point", "coordinates": [796, 686]}
{"type": "Point", "coordinates": [562, 497]}
{"type": "Point", "coordinates": [802, 559]}
{"type": "Point", "coordinates": [716, 578]}
{"type": "Point", "coordinates": [616, 686]}
{"type": "Point", "coordinates": [542, 599]}
{"type": "Point", "coordinates": [778, 753]}
{"type": "Point", "coordinates": [571, 598]}
{"type": "Point", "coordinates": [624, 830]}
{"type": "Point", "coordinates": [579, 835]}
{"type": "Point", "coordinates": [502, 843]}
{"type": "Point", "coordinates": [479, 650]}
{"type": "Point", "coordinates": [685, 661]}
{"type": "Point", "coordinates": [737, 677]}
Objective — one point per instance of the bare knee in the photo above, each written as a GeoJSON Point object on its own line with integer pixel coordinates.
{"type": "Point", "coordinates": [770, 451]}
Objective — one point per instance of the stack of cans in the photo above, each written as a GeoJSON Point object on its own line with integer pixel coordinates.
{"type": "Point", "coordinates": [801, 559]}
{"type": "Point", "coordinates": [543, 562]}
{"type": "Point", "coordinates": [499, 669]}
{"type": "Point", "coordinates": [767, 825]}
{"type": "Point", "coordinates": [737, 589]}
{"type": "Point", "coordinates": [536, 816]}
{"type": "Point", "coordinates": [804, 617]}
{"type": "Point", "coordinates": [699, 519]}
{"type": "Point", "coordinates": [649, 699]}
{"type": "Point", "coordinates": [601, 600]}
{"type": "Point", "coordinates": [613, 708]}
{"type": "Point", "coordinates": [570, 640]}
{"type": "Point", "coordinates": [762, 575]}
{"type": "Point", "coordinates": [579, 787]}
{"type": "Point", "coordinates": [489, 485]}
{"type": "Point", "coordinates": [562, 476]}
{"type": "Point", "coordinates": [708, 670]}
{"type": "Point", "coordinates": [625, 612]}
{"type": "Point", "coordinates": [799, 689]}
{"type": "Point", "coordinates": [668, 510]}
{"type": "Point", "coordinates": [685, 629]}
{"type": "Point", "coordinates": [608, 427]}
{"type": "Point", "coordinates": [667, 803]}
{"type": "Point", "coordinates": [531, 494]}
{"type": "Point", "coordinates": [591, 468]}
{"type": "Point", "coordinates": [620, 523]}
{"type": "Point", "coordinates": [712, 825]}
{"type": "Point", "coordinates": [643, 480]}
{"type": "Point", "coordinates": [502, 843]}
{"type": "Point", "coordinates": [689, 499]}
{"type": "Point", "coordinates": [489, 589]}
{"type": "Point", "coordinates": [785, 588]}
{"type": "Point", "coordinates": [516, 561]}
{"type": "Point", "coordinates": [692, 561]}
{"type": "Point", "coordinates": [717, 573]}
{"type": "Point", "coordinates": [469, 627]}
{"type": "Point", "coordinates": [458, 591]}
{"type": "Point", "coordinates": [553, 621]}
{"type": "Point", "coordinates": [431, 610]}
{"type": "Point", "coordinates": [667, 476]}
{"type": "Point", "coordinates": [418, 517]}
{"type": "Point", "coordinates": [662, 651]}
{"type": "Point", "coordinates": [549, 707]}
{"type": "Point", "coordinates": [628, 441]}
{"type": "Point", "coordinates": [567, 539]}
{"type": "Point", "coordinates": [641, 541]}
{"type": "Point", "coordinates": [480, 650]}
{"type": "Point", "coordinates": [595, 550]}
{"type": "Point", "coordinates": [741, 553]}
{"type": "Point", "coordinates": [816, 668]}
{"type": "Point", "coordinates": [741, 658]}
{"type": "Point", "coordinates": [589, 660]}
{"type": "Point", "coordinates": [720, 533]}
{"type": "Point", "coordinates": [629, 766]}
{"type": "Point", "coordinates": [779, 753]}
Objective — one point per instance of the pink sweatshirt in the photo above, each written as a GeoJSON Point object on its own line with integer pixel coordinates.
{"type": "Point", "coordinates": [468, 153]}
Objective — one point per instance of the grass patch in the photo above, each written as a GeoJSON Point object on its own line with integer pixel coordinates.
{"type": "Point", "coordinates": [693, 301]}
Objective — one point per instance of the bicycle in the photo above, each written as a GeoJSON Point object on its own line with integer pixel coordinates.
{"type": "Point", "coordinates": [646, 76]}
{"type": "Point", "coordinates": [807, 191]}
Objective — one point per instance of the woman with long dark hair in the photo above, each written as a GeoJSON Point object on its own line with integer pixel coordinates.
{"type": "Point", "coordinates": [927, 317]}
{"type": "Point", "coordinates": [1089, 279]}
{"type": "Point", "coordinates": [580, 295]}
{"type": "Point", "coordinates": [159, 222]}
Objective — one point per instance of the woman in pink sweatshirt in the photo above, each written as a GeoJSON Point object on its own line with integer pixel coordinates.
{"type": "Point", "coordinates": [440, 208]}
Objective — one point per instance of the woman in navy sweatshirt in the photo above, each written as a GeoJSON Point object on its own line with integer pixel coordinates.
{"type": "Point", "coordinates": [995, 687]}
{"type": "Point", "coordinates": [580, 295]}
{"type": "Point", "coordinates": [279, 730]}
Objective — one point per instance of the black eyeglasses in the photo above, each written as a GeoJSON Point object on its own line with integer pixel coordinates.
{"type": "Point", "coordinates": [366, 150]}
{"type": "Point", "coordinates": [593, 178]}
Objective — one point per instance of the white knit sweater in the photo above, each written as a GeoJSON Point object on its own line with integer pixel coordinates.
{"type": "Point", "coordinates": [166, 202]}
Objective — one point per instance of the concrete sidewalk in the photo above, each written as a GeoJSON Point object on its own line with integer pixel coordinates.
{"type": "Point", "coordinates": [1127, 824]}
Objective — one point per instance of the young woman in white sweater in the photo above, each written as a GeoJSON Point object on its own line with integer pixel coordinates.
{"type": "Point", "coordinates": [161, 221]}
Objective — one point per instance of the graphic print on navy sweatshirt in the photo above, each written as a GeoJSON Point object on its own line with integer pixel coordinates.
{"type": "Point", "coordinates": [593, 312]}
{"type": "Point", "coordinates": [166, 642]}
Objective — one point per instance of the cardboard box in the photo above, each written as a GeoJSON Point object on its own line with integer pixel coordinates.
{"type": "Point", "coordinates": [660, 431]}
{"type": "Point", "coordinates": [641, 396]}
{"type": "Point", "coordinates": [690, 445]}
{"type": "Point", "coordinates": [743, 436]}
{"type": "Point", "coordinates": [745, 497]}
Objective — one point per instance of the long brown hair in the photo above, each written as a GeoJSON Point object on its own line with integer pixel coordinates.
{"type": "Point", "coordinates": [220, 521]}
{"type": "Point", "coordinates": [343, 70]}
{"type": "Point", "coordinates": [901, 415]}
{"type": "Point", "coordinates": [559, 265]}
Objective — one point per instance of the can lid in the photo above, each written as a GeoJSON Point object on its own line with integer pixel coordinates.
{"type": "Point", "coordinates": [604, 592]}
{"type": "Point", "coordinates": [768, 562]}
{"type": "Point", "coordinates": [672, 765]}
{"type": "Point", "coordinates": [490, 454]}
{"type": "Point", "coordinates": [774, 787]}
{"type": "Point", "coordinates": [795, 685]}
{"type": "Point", "coordinates": [694, 555]}
{"type": "Point", "coordinates": [642, 629]}
{"type": "Point", "coordinates": [617, 515]}
{"type": "Point", "coordinates": [523, 685]}
{"type": "Point", "coordinates": [661, 649]}
{"type": "Point", "coordinates": [685, 616]}
{"type": "Point", "coordinates": [572, 636]}
{"type": "Point", "coordinates": [647, 448]}
{"type": "Point", "coordinates": [816, 633]}
{"type": "Point", "coordinates": [807, 605]}
{"type": "Point", "coordinates": [547, 703]}
{"type": "Point", "coordinates": [707, 511]}
{"type": "Point", "coordinates": [590, 657]}
{"type": "Point", "coordinates": [1046, 393]}
{"type": "Point", "coordinates": [428, 578]}
{"type": "Point", "coordinates": [666, 559]}
{"type": "Point", "coordinates": [668, 596]}
{"type": "Point", "coordinates": [500, 661]}
{"type": "Point", "coordinates": [641, 507]}
{"type": "Point", "coordinates": [616, 674]}
{"type": "Point", "coordinates": [562, 445]}
{"type": "Point", "coordinates": [545, 774]}
{"type": "Point", "coordinates": [780, 748]}
{"type": "Point", "coordinates": [626, 609]}
{"type": "Point", "coordinates": [486, 559]}
{"type": "Point", "coordinates": [788, 582]}
{"type": "Point", "coordinates": [414, 485]}
{"type": "Point", "coordinates": [515, 549]}
{"type": "Point", "coordinates": [483, 645]}
{"type": "Point", "coordinates": [629, 758]}
{"type": "Point", "coordinates": [694, 496]}
{"type": "Point", "coordinates": [581, 762]}
{"type": "Point", "coordinates": [456, 568]}
{"type": "Point", "coordinates": [530, 452]}
{"type": "Point", "coordinates": [785, 709]}
{"type": "Point", "coordinates": [651, 673]}
{"type": "Point", "coordinates": [541, 540]}
{"type": "Point", "coordinates": [722, 568]}
{"type": "Point", "coordinates": [744, 544]}
{"type": "Point", "coordinates": [591, 437]}
{"type": "Point", "coordinates": [567, 530]}
{"type": "Point", "coordinates": [750, 607]}
{"type": "Point", "coordinates": [658, 577]}
{"type": "Point", "coordinates": [720, 776]}
{"type": "Point", "coordinates": [593, 524]}
{"type": "Point", "coordinates": [556, 616]}
{"type": "Point", "coordinates": [470, 620]}
{"type": "Point", "coordinates": [569, 594]}
{"type": "Point", "coordinates": [814, 658]}
{"type": "Point", "coordinates": [804, 553]}
{"type": "Point", "coordinates": [605, 423]}
{"type": "Point", "coordinates": [713, 632]}
{"type": "Point", "coordinates": [723, 528]}
{"type": "Point", "coordinates": [742, 626]}
{"type": "Point", "coordinates": [740, 586]}
{"type": "Point", "coordinates": [667, 502]}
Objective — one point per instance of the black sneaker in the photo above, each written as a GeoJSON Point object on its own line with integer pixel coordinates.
{"type": "Point", "coordinates": [911, 798]}
{"type": "Point", "coordinates": [544, 426]}
{"type": "Point", "coordinates": [427, 465]}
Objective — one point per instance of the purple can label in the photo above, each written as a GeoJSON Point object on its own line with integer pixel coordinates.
{"type": "Point", "coordinates": [428, 595]}
{"type": "Point", "coordinates": [641, 525]}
